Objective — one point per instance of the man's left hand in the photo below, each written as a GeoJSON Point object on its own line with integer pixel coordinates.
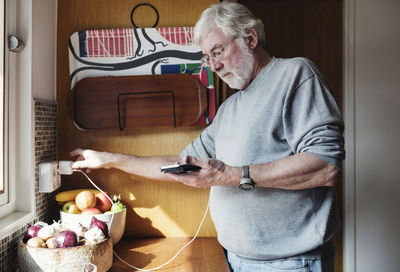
{"type": "Point", "coordinates": [213, 173]}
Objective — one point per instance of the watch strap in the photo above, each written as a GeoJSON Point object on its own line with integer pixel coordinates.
{"type": "Point", "coordinates": [245, 171]}
{"type": "Point", "coordinates": [245, 182]}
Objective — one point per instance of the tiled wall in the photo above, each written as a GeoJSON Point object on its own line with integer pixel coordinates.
{"type": "Point", "coordinates": [46, 206]}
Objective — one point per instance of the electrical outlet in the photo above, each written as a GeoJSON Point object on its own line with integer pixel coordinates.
{"type": "Point", "coordinates": [49, 178]}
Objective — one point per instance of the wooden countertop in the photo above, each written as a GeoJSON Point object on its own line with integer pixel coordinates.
{"type": "Point", "coordinates": [203, 254]}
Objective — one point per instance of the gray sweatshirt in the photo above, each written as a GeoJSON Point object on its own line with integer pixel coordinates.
{"type": "Point", "coordinates": [286, 110]}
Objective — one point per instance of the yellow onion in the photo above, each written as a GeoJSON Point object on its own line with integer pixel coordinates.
{"type": "Point", "coordinates": [35, 242]}
{"type": "Point", "coordinates": [51, 242]}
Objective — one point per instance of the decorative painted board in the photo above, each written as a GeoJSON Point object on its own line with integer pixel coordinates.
{"type": "Point", "coordinates": [140, 51]}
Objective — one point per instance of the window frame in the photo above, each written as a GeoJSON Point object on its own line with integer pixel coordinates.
{"type": "Point", "coordinates": [3, 82]}
{"type": "Point", "coordinates": [20, 208]}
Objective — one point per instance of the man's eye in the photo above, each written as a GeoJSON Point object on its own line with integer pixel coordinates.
{"type": "Point", "coordinates": [218, 53]}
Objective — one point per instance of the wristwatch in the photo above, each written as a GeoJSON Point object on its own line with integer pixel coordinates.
{"type": "Point", "coordinates": [245, 182]}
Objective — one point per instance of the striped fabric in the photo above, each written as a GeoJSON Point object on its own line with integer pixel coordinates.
{"type": "Point", "coordinates": [110, 43]}
{"type": "Point", "coordinates": [121, 42]}
{"type": "Point", "coordinates": [177, 35]}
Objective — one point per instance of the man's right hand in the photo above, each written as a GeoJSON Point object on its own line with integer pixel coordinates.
{"type": "Point", "coordinates": [90, 159]}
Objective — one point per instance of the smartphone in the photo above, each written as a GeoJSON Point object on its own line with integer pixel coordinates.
{"type": "Point", "coordinates": [179, 168]}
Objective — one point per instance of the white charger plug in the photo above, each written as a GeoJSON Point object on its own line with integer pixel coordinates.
{"type": "Point", "coordinates": [50, 175]}
{"type": "Point", "coordinates": [65, 168]}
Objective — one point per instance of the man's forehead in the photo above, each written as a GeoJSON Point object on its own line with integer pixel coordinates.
{"type": "Point", "coordinates": [212, 39]}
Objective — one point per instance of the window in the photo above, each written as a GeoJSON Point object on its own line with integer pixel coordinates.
{"type": "Point", "coordinates": [3, 116]}
{"type": "Point", "coordinates": [16, 158]}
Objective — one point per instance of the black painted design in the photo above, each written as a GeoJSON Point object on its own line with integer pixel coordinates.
{"type": "Point", "coordinates": [153, 68]}
{"type": "Point", "coordinates": [151, 41]}
{"type": "Point", "coordinates": [139, 44]}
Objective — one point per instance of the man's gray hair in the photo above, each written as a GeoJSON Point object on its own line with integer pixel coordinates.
{"type": "Point", "coordinates": [232, 18]}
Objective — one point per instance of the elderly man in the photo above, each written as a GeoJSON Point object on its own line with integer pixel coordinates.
{"type": "Point", "coordinates": [271, 156]}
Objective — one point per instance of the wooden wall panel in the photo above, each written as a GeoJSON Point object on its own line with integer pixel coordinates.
{"type": "Point", "coordinates": [154, 208]}
{"type": "Point", "coordinates": [308, 28]}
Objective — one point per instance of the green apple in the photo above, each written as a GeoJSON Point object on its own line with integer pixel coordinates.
{"type": "Point", "coordinates": [70, 207]}
{"type": "Point", "coordinates": [117, 207]}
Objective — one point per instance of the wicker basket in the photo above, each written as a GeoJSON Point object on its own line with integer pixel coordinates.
{"type": "Point", "coordinates": [65, 259]}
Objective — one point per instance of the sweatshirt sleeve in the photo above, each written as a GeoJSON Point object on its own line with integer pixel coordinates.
{"type": "Point", "coordinates": [203, 146]}
{"type": "Point", "coordinates": [312, 121]}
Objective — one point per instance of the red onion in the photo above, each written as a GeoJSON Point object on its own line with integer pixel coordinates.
{"type": "Point", "coordinates": [100, 224]}
{"type": "Point", "coordinates": [66, 238]}
{"type": "Point", "coordinates": [31, 232]}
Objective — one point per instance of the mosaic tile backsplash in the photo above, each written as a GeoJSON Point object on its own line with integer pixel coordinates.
{"type": "Point", "coordinates": [46, 206]}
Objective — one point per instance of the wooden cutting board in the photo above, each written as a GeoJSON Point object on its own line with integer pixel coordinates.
{"type": "Point", "coordinates": [118, 102]}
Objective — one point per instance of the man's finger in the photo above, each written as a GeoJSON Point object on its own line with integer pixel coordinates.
{"type": "Point", "coordinates": [80, 158]}
{"type": "Point", "coordinates": [76, 152]}
{"type": "Point", "coordinates": [190, 160]}
{"type": "Point", "coordinates": [80, 164]}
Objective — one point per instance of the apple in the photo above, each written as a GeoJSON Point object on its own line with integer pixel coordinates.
{"type": "Point", "coordinates": [85, 199]}
{"type": "Point", "coordinates": [70, 207]}
{"type": "Point", "coordinates": [102, 202]}
{"type": "Point", "coordinates": [91, 211]}
{"type": "Point", "coordinates": [117, 207]}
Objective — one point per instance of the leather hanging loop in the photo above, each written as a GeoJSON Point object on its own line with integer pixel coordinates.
{"type": "Point", "coordinates": [145, 4]}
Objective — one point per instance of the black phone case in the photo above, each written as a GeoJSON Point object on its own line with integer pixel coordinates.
{"type": "Point", "coordinates": [183, 168]}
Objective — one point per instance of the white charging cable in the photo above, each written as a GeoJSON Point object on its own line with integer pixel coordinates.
{"type": "Point", "coordinates": [112, 217]}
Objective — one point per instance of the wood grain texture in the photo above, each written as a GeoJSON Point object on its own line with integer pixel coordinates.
{"type": "Point", "coordinates": [309, 28]}
{"type": "Point", "coordinates": [204, 254]}
{"type": "Point", "coordinates": [154, 208]}
{"type": "Point", "coordinates": [167, 100]}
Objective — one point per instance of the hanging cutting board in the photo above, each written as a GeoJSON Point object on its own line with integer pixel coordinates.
{"type": "Point", "coordinates": [137, 101]}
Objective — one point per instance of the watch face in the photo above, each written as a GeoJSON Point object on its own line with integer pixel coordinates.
{"type": "Point", "coordinates": [246, 184]}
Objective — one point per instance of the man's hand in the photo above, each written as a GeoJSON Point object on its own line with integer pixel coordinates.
{"type": "Point", "coordinates": [213, 173]}
{"type": "Point", "coordinates": [90, 159]}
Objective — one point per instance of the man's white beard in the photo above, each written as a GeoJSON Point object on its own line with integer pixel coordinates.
{"type": "Point", "coordinates": [241, 74]}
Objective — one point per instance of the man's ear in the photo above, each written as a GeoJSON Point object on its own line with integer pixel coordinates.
{"type": "Point", "coordinates": [252, 39]}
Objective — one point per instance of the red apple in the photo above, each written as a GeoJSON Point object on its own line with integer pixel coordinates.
{"type": "Point", "coordinates": [85, 199]}
{"type": "Point", "coordinates": [91, 211]}
{"type": "Point", "coordinates": [102, 202]}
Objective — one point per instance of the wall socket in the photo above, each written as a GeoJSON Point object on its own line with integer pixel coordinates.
{"type": "Point", "coordinates": [49, 178]}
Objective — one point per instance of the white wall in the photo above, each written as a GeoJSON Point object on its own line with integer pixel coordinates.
{"type": "Point", "coordinates": [44, 48]}
{"type": "Point", "coordinates": [376, 135]}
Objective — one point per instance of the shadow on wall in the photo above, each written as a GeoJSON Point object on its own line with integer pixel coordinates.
{"type": "Point", "coordinates": [143, 226]}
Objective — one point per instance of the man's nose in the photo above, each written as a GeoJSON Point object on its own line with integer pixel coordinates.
{"type": "Point", "coordinates": [216, 65]}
